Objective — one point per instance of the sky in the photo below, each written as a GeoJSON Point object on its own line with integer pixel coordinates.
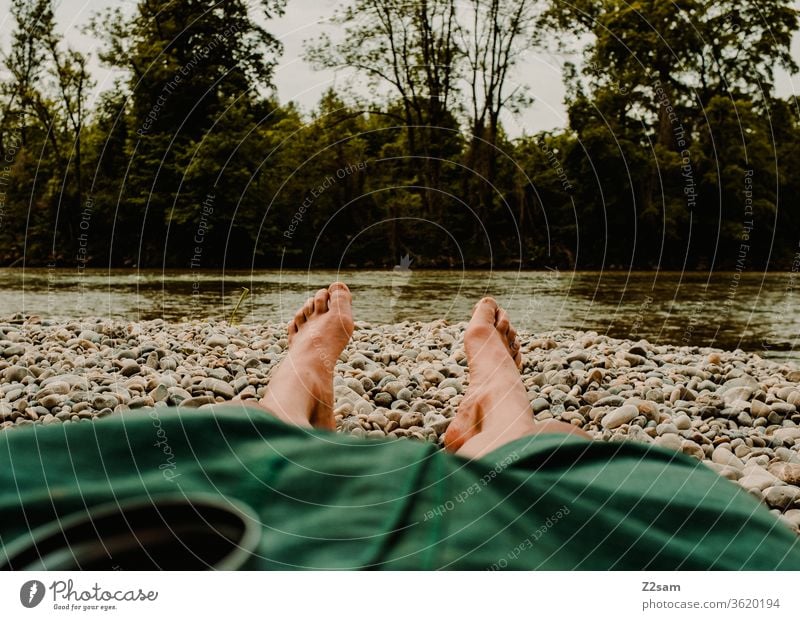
{"type": "Point", "coordinates": [297, 81]}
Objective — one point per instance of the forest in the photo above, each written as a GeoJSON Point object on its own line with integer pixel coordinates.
{"type": "Point", "coordinates": [677, 153]}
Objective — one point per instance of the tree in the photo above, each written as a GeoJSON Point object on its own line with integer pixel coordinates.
{"type": "Point", "coordinates": [45, 103]}
{"type": "Point", "coordinates": [653, 69]}
{"type": "Point", "coordinates": [411, 48]}
{"type": "Point", "coordinates": [189, 64]}
{"type": "Point", "coordinates": [494, 36]}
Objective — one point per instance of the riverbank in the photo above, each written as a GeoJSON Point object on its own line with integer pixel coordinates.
{"type": "Point", "coordinates": [736, 412]}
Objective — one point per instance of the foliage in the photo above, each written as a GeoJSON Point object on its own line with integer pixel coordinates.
{"type": "Point", "coordinates": [677, 153]}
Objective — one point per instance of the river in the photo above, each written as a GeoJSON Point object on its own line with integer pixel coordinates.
{"type": "Point", "coordinates": [751, 311]}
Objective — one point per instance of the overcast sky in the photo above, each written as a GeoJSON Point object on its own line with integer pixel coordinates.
{"type": "Point", "coordinates": [297, 81]}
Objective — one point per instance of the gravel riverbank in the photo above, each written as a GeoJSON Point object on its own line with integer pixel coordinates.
{"type": "Point", "coordinates": [734, 411]}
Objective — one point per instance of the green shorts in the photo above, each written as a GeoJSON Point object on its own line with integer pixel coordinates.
{"type": "Point", "coordinates": [331, 501]}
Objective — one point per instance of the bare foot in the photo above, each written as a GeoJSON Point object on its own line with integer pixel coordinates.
{"type": "Point", "coordinates": [495, 409]}
{"type": "Point", "coordinates": [300, 391]}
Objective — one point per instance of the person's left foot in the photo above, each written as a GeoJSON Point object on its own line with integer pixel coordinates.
{"type": "Point", "coordinates": [300, 390]}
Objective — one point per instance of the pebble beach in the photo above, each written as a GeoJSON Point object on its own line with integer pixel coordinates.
{"type": "Point", "coordinates": [734, 411]}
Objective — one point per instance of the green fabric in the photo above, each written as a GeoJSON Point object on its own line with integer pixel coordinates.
{"type": "Point", "coordinates": [329, 501]}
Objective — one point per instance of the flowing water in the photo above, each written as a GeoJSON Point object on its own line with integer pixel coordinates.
{"type": "Point", "coordinates": [754, 312]}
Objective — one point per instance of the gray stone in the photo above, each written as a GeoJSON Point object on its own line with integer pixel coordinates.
{"type": "Point", "coordinates": [433, 376]}
{"type": "Point", "coordinates": [411, 418]}
{"type": "Point", "coordinates": [787, 472]}
{"type": "Point", "coordinates": [452, 383]}
{"type": "Point", "coordinates": [731, 473]}
{"type": "Point", "coordinates": [140, 401]}
{"type": "Point", "coordinates": [445, 394]}
{"type": "Point", "coordinates": [610, 401]}
{"type": "Point", "coordinates": [787, 455]}
{"type": "Point", "coordinates": [735, 394]}
{"type": "Point", "coordinates": [160, 392]}
{"type": "Point", "coordinates": [793, 517]}
{"type": "Point", "coordinates": [405, 394]}
{"type": "Point", "coordinates": [7, 412]}
{"type": "Point", "coordinates": [782, 497]}
{"type": "Point", "coordinates": [759, 409]}
{"type": "Point", "coordinates": [152, 360]}
{"type": "Point", "coordinates": [758, 479]}
{"type": "Point", "coordinates": [355, 385]}
{"type": "Point", "coordinates": [56, 387]}
{"type": "Point", "coordinates": [664, 429]}
{"type": "Point", "coordinates": [692, 449]}
{"type": "Point", "coordinates": [377, 417]}
{"type": "Point", "coordinates": [724, 456]}
{"type": "Point", "coordinates": [218, 387]}
{"type": "Point", "coordinates": [782, 409]}
{"type": "Point", "coordinates": [91, 336]}
{"type": "Point", "coordinates": [51, 400]}
{"type": "Point", "coordinates": [786, 434]}
{"type": "Point", "coordinates": [129, 368]}
{"type": "Point", "coordinates": [539, 404]}
{"type": "Point", "coordinates": [101, 401]}
{"type": "Point", "coordinates": [618, 417]}
{"type": "Point", "coordinates": [220, 373]}
{"type": "Point", "coordinates": [383, 399]}
{"type": "Point", "coordinates": [437, 422]}
{"type": "Point", "coordinates": [76, 382]}
{"type": "Point", "coordinates": [421, 406]}
{"type": "Point", "coordinates": [217, 340]}
{"type": "Point", "coordinates": [393, 387]}
{"type": "Point", "coordinates": [15, 373]}
{"type": "Point", "coordinates": [14, 349]}
{"type": "Point", "coordinates": [197, 401]}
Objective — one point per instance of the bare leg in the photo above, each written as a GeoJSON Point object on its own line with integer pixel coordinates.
{"type": "Point", "coordinates": [300, 391]}
{"type": "Point", "coordinates": [495, 409]}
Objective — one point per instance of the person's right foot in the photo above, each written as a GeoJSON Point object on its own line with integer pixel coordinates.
{"type": "Point", "coordinates": [300, 390]}
{"type": "Point", "coordinates": [495, 409]}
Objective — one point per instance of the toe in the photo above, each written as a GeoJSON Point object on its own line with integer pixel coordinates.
{"type": "Point", "coordinates": [485, 310]}
{"type": "Point", "coordinates": [308, 307]}
{"type": "Point", "coordinates": [503, 324]}
{"type": "Point", "coordinates": [339, 295]}
{"type": "Point", "coordinates": [513, 341]}
{"type": "Point", "coordinates": [321, 301]}
{"type": "Point", "coordinates": [292, 327]}
{"type": "Point", "coordinates": [299, 318]}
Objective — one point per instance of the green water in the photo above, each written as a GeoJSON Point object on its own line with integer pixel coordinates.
{"type": "Point", "coordinates": [754, 312]}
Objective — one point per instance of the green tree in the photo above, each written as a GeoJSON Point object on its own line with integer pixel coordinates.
{"type": "Point", "coordinates": [494, 35]}
{"type": "Point", "coordinates": [44, 112]}
{"type": "Point", "coordinates": [409, 48]}
{"type": "Point", "coordinates": [652, 71]}
{"type": "Point", "coordinates": [190, 63]}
